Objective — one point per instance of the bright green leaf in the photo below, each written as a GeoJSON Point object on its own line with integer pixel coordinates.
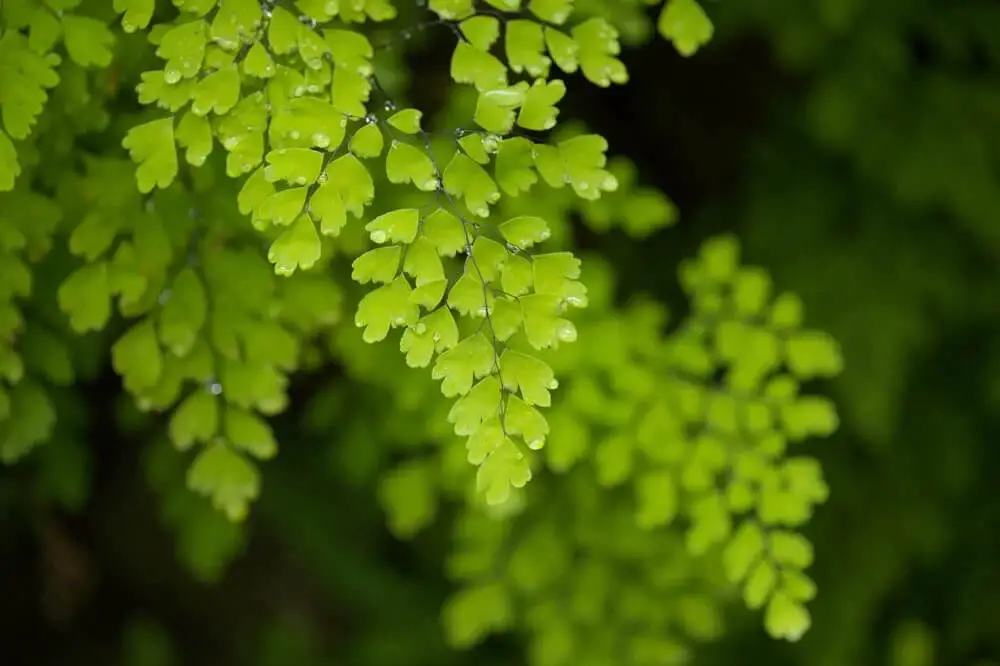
{"type": "Point", "coordinates": [136, 14]}
{"type": "Point", "coordinates": [85, 297]}
{"type": "Point", "coordinates": [475, 612]}
{"type": "Point", "coordinates": [387, 307]}
{"type": "Point", "coordinates": [424, 264]}
{"type": "Point", "coordinates": [436, 332]}
{"type": "Point", "coordinates": [538, 112]}
{"type": "Point", "coordinates": [525, 48]}
{"type": "Point", "coordinates": [406, 121]}
{"type": "Point", "coordinates": [446, 232]}
{"type": "Point", "coordinates": [524, 231]}
{"type": "Point", "coordinates": [250, 433]}
{"type": "Point", "coordinates": [656, 499]}
{"type": "Point", "coordinates": [226, 477]}
{"type": "Point", "coordinates": [503, 469]}
{"type": "Point", "coordinates": [397, 226]}
{"type": "Point", "coordinates": [184, 313]}
{"type": "Point", "coordinates": [685, 23]}
{"type": "Point", "coordinates": [367, 141]}
{"type": "Point", "coordinates": [195, 133]}
{"type": "Point", "coordinates": [284, 207]}
{"type": "Point", "coordinates": [183, 47]}
{"type": "Point", "coordinates": [481, 31]}
{"type": "Point", "coordinates": [786, 618]}
{"type": "Point", "coordinates": [553, 11]}
{"type": "Point", "coordinates": [87, 40]}
{"type": "Point", "coordinates": [463, 177]}
{"type": "Point", "coordinates": [532, 376]}
{"type": "Point", "coordinates": [470, 359]}
{"type": "Point", "coordinates": [136, 356]}
{"type": "Point", "coordinates": [297, 247]}
{"type": "Point", "coordinates": [296, 166]}
{"type": "Point", "coordinates": [196, 419]}
{"type": "Point", "coordinates": [406, 163]}
{"type": "Point", "coordinates": [378, 265]}
{"type": "Point", "coordinates": [258, 62]}
{"type": "Point", "coordinates": [151, 145]}
{"type": "Point", "coordinates": [218, 92]}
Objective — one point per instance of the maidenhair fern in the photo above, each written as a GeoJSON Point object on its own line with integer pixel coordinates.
{"type": "Point", "coordinates": [270, 146]}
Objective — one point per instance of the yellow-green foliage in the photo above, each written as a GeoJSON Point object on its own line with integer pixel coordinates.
{"type": "Point", "coordinates": [605, 460]}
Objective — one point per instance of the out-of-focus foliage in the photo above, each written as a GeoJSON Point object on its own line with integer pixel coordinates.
{"type": "Point", "coordinates": [198, 198]}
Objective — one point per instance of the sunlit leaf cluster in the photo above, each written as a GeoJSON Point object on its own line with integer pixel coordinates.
{"type": "Point", "coordinates": [668, 440]}
{"type": "Point", "coordinates": [272, 178]}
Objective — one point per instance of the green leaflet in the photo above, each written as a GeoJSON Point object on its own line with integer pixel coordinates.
{"type": "Point", "coordinates": [524, 231]}
{"type": "Point", "coordinates": [579, 161]}
{"type": "Point", "coordinates": [563, 49]}
{"type": "Point", "coordinates": [478, 405]}
{"type": "Point", "coordinates": [226, 477]}
{"type": "Point", "coordinates": [470, 359]}
{"type": "Point", "coordinates": [434, 333]}
{"type": "Point", "coordinates": [597, 44]}
{"type": "Point", "coordinates": [685, 23]}
{"type": "Point", "coordinates": [477, 611]}
{"type": "Point", "coordinates": [259, 62]}
{"type": "Point", "coordinates": [298, 247]}
{"type": "Point", "coordinates": [406, 121]}
{"type": "Point", "coordinates": [217, 93]}
{"type": "Point", "coordinates": [184, 313]}
{"type": "Point", "coordinates": [424, 265]}
{"type": "Point", "coordinates": [407, 164]}
{"type": "Point", "coordinates": [250, 433]}
{"type": "Point", "coordinates": [307, 121]}
{"type": "Point", "coordinates": [554, 11]}
{"type": "Point", "coordinates": [196, 419]}
{"type": "Point", "coordinates": [387, 307]}
{"type": "Point", "coordinates": [195, 133]}
{"type": "Point", "coordinates": [786, 618]}
{"type": "Point", "coordinates": [525, 48]}
{"type": "Point", "coordinates": [367, 141]}
{"type": "Point", "coordinates": [152, 146]}
{"type": "Point", "coordinates": [136, 14]}
{"type": "Point", "coordinates": [31, 418]}
{"type": "Point", "coordinates": [476, 67]}
{"type": "Point", "coordinates": [25, 81]}
{"type": "Point", "coordinates": [451, 10]}
{"type": "Point", "coordinates": [137, 357]}
{"type": "Point", "coordinates": [531, 376]}
{"type": "Point", "coordinates": [464, 178]}
{"type": "Point", "coordinates": [515, 166]}
{"type": "Point", "coordinates": [236, 21]}
{"type": "Point", "coordinates": [398, 226]}
{"type": "Point", "coordinates": [538, 111]}
{"type": "Point", "coordinates": [408, 494]}
{"type": "Point", "coordinates": [86, 297]}
{"type": "Point", "coordinates": [379, 265]}
{"type": "Point", "coordinates": [88, 41]}
{"type": "Point", "coordinates": [350, 50]}
{"type": "Point", "coordinates": [183, 49]}
{"type": "Point", "coordinates": [505, 468]}
{"type": "Point", "coordinates": [481, 31]}
{"type": "Point", "coordinates": [296, 166]}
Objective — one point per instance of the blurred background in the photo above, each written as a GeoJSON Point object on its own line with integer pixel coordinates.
{"type": "Point", "coordinates": [853, 147]}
